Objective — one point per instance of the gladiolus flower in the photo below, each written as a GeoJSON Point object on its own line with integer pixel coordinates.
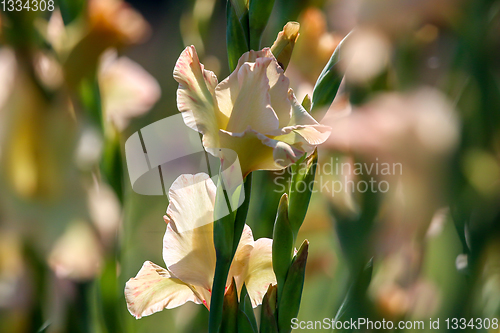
{"type": "Point", "coordinates": [189, 254]}
{"type": "Point", "coordinates": [252, 112]}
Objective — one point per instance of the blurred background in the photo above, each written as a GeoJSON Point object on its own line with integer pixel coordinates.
{"type": "Point", "coordinates": [421, 88]}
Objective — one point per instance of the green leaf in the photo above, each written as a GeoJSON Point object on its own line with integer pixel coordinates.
{"type": "Point", "coordinates": [259, 13]}
{"type": "Point", "coordinates": [235, 37]}
{"type": "Point", "coordinates": [282, 244]}
{"type": "Point", "coordinates": [353, 304]}
{"type": "Point", "coordinates": [246, 318]}
{"type": "Point", "coordinates": [71, 9]}
{"type": "Point", "coordinates": [240, 7]}
{"type": "Point", "coordinates": [329, 80]}
{"type": "Point", "coordinates": [292, 290]}
{"type": "Point", "coordinates": [307, 103]}
{"type": "Point", "coordinates": [355, 229]}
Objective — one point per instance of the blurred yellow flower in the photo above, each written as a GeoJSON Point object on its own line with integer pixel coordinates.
{"type": "Point", "coordinates": [189, 254]}
{"type": "Point", "coordinates": [252, 112]}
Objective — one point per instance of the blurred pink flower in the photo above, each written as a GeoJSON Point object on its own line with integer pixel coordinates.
{"type": "Point", "coordinates": [127, 89]}
{"type": "Point", "coordinates": [419, 131]}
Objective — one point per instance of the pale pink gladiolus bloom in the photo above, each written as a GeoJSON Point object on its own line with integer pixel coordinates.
{"type": "Point", "coordinates": [252, 112]}
{"type": "Point", "coordinates": [190, 255]}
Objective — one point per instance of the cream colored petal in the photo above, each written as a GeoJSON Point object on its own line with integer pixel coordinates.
{"type": "Point", "coordinates": [260, 274]}
{"type": "Point", "coordinates": [303, 131]}
{"type": "Point", "coordinates": [279, 84]}
{"type": "Point", "coordinates": [191, 201]}
{"type": "Point", "coordinates": [204, 295]}
{"type": "Point", "coordinates": [188, 248]}
{"type": "Point", "coordinates": [304, 137]}
{"type": "Point", "coordinates": [228, 90]}
{"type": "Point", "coordinates": [259, 152]}
{"type": "Point", "coordinates": [195, 96]}
{"type": "Point", "coordinates": [153, 289]}
{"type": "Point", "coordinates": [190, 255]}
{"type": "Point", "coordinates": [241, 257]}
{"type": "Point", "coordinates": [299, 115]}
{"type": "Point", "coordinates": [253, 103]}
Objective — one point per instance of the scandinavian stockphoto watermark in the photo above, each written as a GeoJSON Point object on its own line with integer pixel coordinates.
{"type": "Point", "coordinates": [338, 175]}
{"type": "Point", "coordinates": [160, 152]}
{"type": "Point", "coordinates": [364, 324]}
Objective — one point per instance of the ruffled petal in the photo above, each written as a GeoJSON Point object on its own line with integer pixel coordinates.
{"type": "Point", "coordinates": [188, 247]}
{"type": "Point", "coordinates": [303, 131]}
{"type": "Point", "coordinates": [260, 274]}
{"type": "Point", "coordinates": [228, 90]}
{"type": "Point", "coordinates": [279, 85]}
{"type": "Point", "coordinates": [252, 106]}
{"type": "Point", "coordinates": [299, 115]}
{"type": "Point", "coordinates": [195, 96]}
{"type": "Point", "coordinates": [304, 138]}
{"type": "Point", "coordinates": [153, 289]}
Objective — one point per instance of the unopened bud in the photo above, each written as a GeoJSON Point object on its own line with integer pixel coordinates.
{"type": "Point", "coordinates": [283, 45]}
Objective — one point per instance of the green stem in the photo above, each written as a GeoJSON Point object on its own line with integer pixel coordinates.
{"type": "Point", "coordinates": [224, 257]}
{"type": "Point", "coordinates": [218, 290]}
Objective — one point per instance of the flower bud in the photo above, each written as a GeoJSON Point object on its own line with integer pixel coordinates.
{"type": "Point", "coordinates": [282, 244]}
{"type": "Point", "coordinates": [230, 309]}
{"type": "Point", "coordinates": [268, 322]}
{"type": "Point", "coordinates": [283, 45]}
{"type": "Point", "coordinates": [301, 187]}
{"type": "Point", "coordinates": [292, 291]}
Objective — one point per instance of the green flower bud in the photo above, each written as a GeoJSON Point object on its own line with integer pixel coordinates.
{"type": "Point", "coordinates": [301, 187]}
{"type": "Point", "coordinates": [230, 310]}
{"type": "Point", "coordinates": [268, 322]}
{"type": "Point", "coordinates": [292, 291]}
{"type": "Point", "coordinates": [282, 244]}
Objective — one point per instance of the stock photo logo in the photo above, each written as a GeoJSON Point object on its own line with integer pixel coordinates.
{"type": "Point", "coordinates": [161, 152]}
